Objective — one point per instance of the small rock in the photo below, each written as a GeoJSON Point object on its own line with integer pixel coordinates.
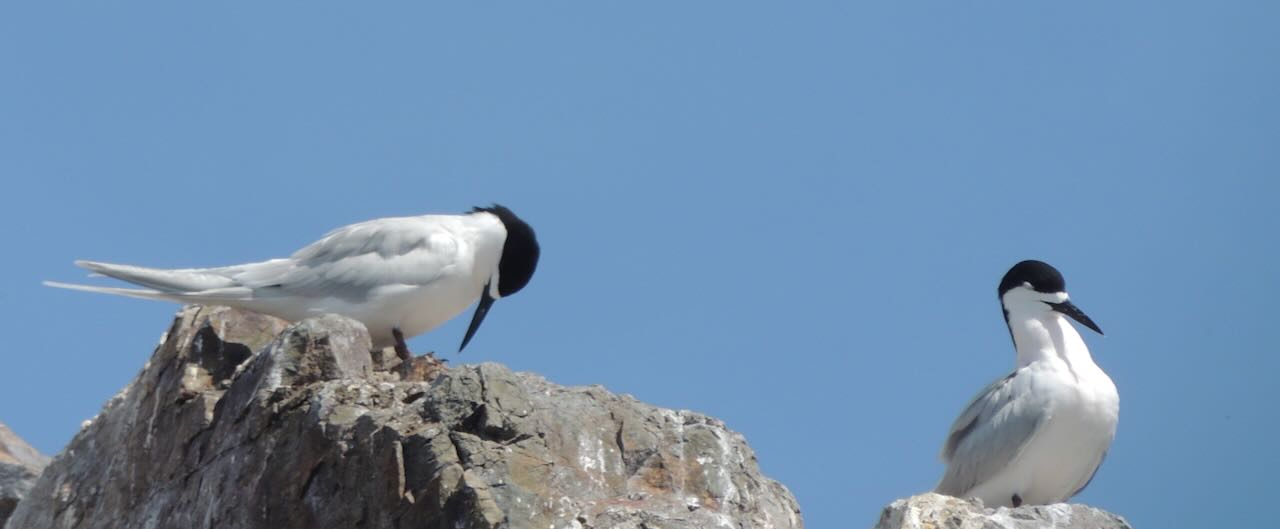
{"type": "Point", "coordinates": [420, 368]}
{"type": "Point", "coordinates": [935, 511]}
{"type": "Point", "coordinates": [20, 465]}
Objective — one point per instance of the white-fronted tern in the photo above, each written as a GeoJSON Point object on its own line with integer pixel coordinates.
{"type": "Point", "coordinates": [400, 276]}
{"type": "Point", "coordinates": [1038, 435]}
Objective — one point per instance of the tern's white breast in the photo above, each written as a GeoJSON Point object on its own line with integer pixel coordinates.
{"type": "Point", "coordinates": [1081, 410]}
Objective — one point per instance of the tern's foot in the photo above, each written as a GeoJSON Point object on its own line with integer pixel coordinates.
{"type": "Point", "coordinates": [402, 349]}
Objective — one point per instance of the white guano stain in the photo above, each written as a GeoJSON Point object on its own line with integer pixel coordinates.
{"type": "Point", "coordinates": [591, 457]}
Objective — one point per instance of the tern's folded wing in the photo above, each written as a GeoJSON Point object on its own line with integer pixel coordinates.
{"type": "Point", "coordinates": [989, 434]}
{"type": "Point", "coordinates": [352, 261]}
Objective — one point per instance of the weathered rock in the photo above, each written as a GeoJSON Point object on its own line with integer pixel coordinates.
{"type": "Point", "coordinates": [20, 464]}
{"type": "Point", "coordinates": [935, 511]}
{"type": "Point", "coordinates": [313, 431]}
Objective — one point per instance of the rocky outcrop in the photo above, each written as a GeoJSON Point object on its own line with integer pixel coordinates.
{"type": "Point", "coordinates": [20, 464]}
{"type": "Point", "coordinates": [935, 511]}
{"type": "Point", "coordinates": [240, 421]}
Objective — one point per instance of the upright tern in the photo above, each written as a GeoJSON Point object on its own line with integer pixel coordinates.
{"type": "Point", "coordinates": [1038, 435]}
{"type": "Point", "coordinates": [400, 276]}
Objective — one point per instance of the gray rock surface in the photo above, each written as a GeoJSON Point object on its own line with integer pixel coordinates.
{"type": "Point", "coordinates": [20, 464]}
{"type": "Point", "coordinates": [313, 431]}
{"type": "Point", "coordinates": [935, 511]}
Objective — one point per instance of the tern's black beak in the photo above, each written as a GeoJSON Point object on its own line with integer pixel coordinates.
{"type": "Point", "coordinates": [482, 308]}
{"type": "Point", "coordinates": [1068, 308]}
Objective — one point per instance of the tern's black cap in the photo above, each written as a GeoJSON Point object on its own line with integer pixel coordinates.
{"type": "Point", "coordinates": [520, 252]}
{"type": "Point", "coordinates": [1041, 277]}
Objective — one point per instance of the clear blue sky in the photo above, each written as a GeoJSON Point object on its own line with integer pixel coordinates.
{"type": "Point", "coordinates": [791, 217]}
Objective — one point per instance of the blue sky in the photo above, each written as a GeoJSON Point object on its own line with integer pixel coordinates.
{"type": "Point", "coordinates": [793, 218]}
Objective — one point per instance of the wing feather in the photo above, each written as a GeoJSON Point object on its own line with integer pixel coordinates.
{"type": "Point", "coordinates": [349, 262]}
{"type": "Point", "coordinates": [179, 280]}
{"type": "Point", "coordinates": [988, 435]}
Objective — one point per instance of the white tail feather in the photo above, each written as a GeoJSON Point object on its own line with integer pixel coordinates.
{"type": "Point", "coordinates": [184, 281]}
{"type": "Point", "coordinates": [234, 296]}
{"type": "Point", "coordinates": [130, 292]}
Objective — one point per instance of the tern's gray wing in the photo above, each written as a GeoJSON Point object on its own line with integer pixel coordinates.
{"type": "Point", "coordinates": [352, 261]}
{"type": "Point", "coordinates": [989, 434]}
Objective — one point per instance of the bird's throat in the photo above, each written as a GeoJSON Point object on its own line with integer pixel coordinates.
{"type": "Point", "coordinates": [1047, 337]}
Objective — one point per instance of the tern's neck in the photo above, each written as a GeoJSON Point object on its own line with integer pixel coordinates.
{"type": "Point", "coordinates": [1047, 336]}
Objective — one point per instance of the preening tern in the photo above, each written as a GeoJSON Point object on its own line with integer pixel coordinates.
{"type": "Point", "coordinates": [400, 276]}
